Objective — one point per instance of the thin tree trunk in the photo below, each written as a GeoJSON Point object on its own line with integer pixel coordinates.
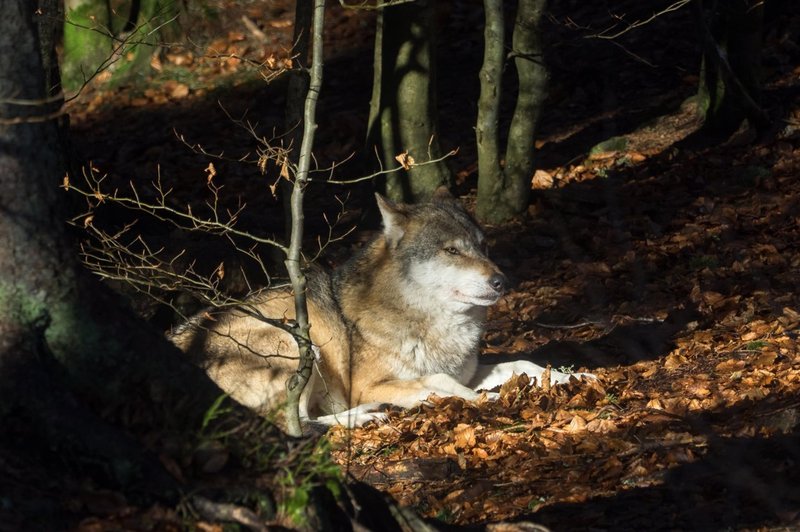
{"type": "Point", "coordinates": [49, 18]}
{"type": "Point", "coordinates": [295, 99]}
{"type": "Point", "coordinates": [503, 191]}
{"type": "Point", "coordinates": [299, 379]}
{"type": "Point", "coordinates": [729, 84]}
{"type": "Point", "coordinates": [156, 22]}
{"type": "Point", "coordinates": [490, 172]}
{"type": "Point", "coordinates": [532, 75]}
{"type": "Point", "coordinates": [407, 112]}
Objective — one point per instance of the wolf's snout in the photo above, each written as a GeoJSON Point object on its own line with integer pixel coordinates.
{"type": "Point", "coordinates": [498, 282]}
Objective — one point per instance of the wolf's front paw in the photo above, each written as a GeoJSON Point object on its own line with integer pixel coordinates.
{"type": "Point", "coordinates": [492, 396]}
{"type": "Point", "coordinates": [355, 417]}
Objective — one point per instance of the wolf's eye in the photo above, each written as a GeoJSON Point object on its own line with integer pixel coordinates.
{"type": "Point", "coordinates": [452, 250]}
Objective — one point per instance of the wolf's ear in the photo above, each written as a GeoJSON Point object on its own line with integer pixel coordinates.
{"type": "Point", "coordinates": [394, 219]}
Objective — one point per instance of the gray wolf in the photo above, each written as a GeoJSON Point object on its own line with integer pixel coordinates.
{"type": "Point", "coordinates": [399, 321]}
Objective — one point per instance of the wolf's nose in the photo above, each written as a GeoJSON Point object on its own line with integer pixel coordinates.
{"type": "Point", "coordinates": [498, 282]}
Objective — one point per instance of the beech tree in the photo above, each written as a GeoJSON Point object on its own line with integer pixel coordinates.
{"type": "Point", "coordinates": [504, 187]}
{"type": "Point", "coordinates": [403, 109]}
{"type": "Point", "coordinates": [730, 34]}
{"type": "Point", "coordinates": [95, 39]}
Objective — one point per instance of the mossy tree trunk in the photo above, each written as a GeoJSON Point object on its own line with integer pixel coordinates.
{"type": "Point", "coordinates": [88, 42]}
{"type": "Point", "coordinates": [151, 24]}
{"type": "Point", "coordinates": [60, 331]}
{"type": "Point", "coordinates": [504, 189]}
{"type": "Point", "coordinates": [94, 41]}
{"type": "Point", "coordinates": [730, 31]}
{"type": "Point", "coordinates": [403, 111]}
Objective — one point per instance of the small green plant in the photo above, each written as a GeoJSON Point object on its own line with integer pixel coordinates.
{"type": "Point", "coordinates": [612, 399]}
{"type": "Point", "coordinates": [755, 345]}
{"type": "Point", "coordinates": [534, 503]}
{"type": "Point", "coordinates": [388, 450]}
{"type": "Point", "coordinates": [445, 515]}
{"type": "Point", "coordinates": [567, 369]}
{"type": "Point", "coordinates": [701, 262]}
{"type": "Point", "coordinates": [516, 428]}
{"type": "Point", "coordinates": [311, 467]}
{"type": "Point", "coordinates": [215, 411]}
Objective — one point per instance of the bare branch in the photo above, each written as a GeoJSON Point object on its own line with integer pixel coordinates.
{"type": "Point", "coordinates": [182, 219]}
{"type": "Point", "coordinates": [451, 153]}
{"type": "Point", "coordinates": [612, 33]}
{"type": "Point", "coordinates": [366, 6]}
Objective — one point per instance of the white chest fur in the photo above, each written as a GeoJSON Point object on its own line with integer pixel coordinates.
{"type": "Point", "coordinates": [448, 344]}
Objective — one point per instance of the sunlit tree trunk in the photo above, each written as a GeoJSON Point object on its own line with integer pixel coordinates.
{"type": "Point", "coordinates": [503, 190]}
{"type": "Point", "coordinates": [95, 41]}
{"type": "Point", "coordinates": [403, 111]}
{"type": "Point", "coordinates": [151, 24]}
{"type": "Point", "coordinates": [87, 40]}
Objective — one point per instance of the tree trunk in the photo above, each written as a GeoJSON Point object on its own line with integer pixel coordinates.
{"type": "Point", "coordinates": [46, 299]}
{"type": "Point", "coordinates": [503, 192]}
{"type": "Point", "coordinates": [490, 171]}
{"type": "Point", "coordinates": [87, 40]}
{"type": "Point", "coordinates": [297, 382]}
{"type": "Point", "coordinates": [403, 113]}
{"type": "Point", "coordinates": [50, 14]}
{"type": "Point", "coordinates": [155, 22]}
{"type": "Point", "coordinates": [532, 75]}
{"type": "Point", "coordinates": [295, 99]}
{"type": "Point", "coordinates": [729, 82]}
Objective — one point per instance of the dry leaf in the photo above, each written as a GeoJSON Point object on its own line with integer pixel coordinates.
{"type": "Point", "coordinates": [578, 424]}
{"type": "Point", "coordinates": [674, 360]}
{"type": "Point", "coordinates": [405, 160]}
{"type": "Point", "coordinates": [180, 90]}
{"type": "Point", "coordinates": [211, 171]}
{"type": "Point", "coordinates": [542, 179]}
{"type": "Point", "coordinates": [464, 436]}
{"type": "Point", "coordinates": [285, 168]}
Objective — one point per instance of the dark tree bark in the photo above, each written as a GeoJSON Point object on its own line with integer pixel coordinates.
{"type": "Point", "coordinates": [503, 191]}
{"type": "Point", "coordinates": [730, 86]}
{"type": "Point", "coordinates": [403, 111]}
{"type": "Point", "coordinates": [60, 331]}
{"type": "Point", "coordinates": [49, 19]}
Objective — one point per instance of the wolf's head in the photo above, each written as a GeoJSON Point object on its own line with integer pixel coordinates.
{"type": "Point", "coordinates": [441, 252]}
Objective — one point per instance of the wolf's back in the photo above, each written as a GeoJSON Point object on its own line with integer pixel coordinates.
{"type": "Point", "coordinates": [250, 358]}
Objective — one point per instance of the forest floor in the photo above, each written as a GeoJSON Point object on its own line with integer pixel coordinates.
{"type": "Point", "coordinates": [667, 269]}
